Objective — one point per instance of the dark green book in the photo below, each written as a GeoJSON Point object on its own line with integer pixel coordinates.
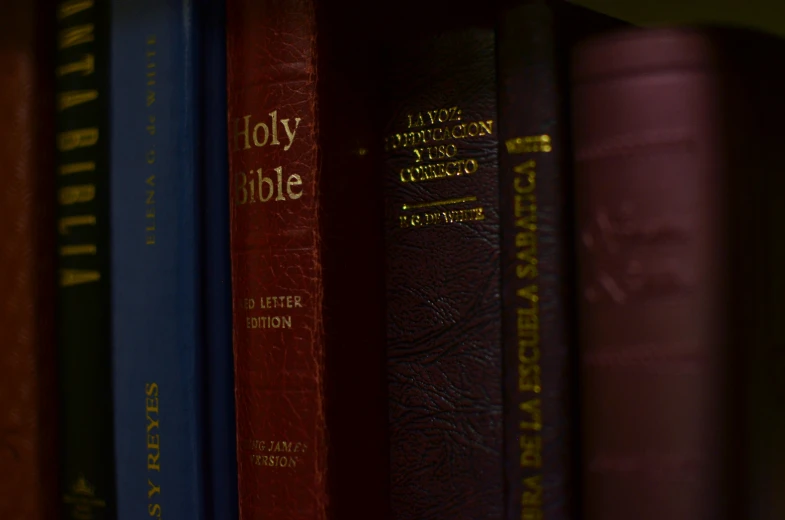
{"type": "Point", "coordinates": [83, 293]}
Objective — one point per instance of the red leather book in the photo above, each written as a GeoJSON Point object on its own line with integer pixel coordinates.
{"type": "Point", "coordinates": [306, 262]}
{"type": "Point", "coordinates": [678, 136]}
{"type": "Point", "coordinates": [28, 418]}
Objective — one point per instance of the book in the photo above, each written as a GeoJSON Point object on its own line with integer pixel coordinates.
{"type": "Point", "coordinates": [306, 247]}
{"type": "Point", "coordinates": [541, 430]}
{"type": "Point", "coordinates": [443, 274]}
{"type": "Point", "coordinates": [677, 134]}
{"type": "Point", "coordinates": [478, 223]}
{"type": "Point", "coordinates": [28, 380]}
{"type": "Point", "coordinates": [83, 299]}
{"type": "Point", "coordinates": [156, 209]}
{"type": "Point", "coordinates": [221, 462]}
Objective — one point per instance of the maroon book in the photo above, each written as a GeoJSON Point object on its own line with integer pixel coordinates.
{"type": "Point", "coordinates": [306, 262]}
{"type": "Point", "coordinates": [28, 419]}
{"type": "Point", "coordinates": [678, 136]}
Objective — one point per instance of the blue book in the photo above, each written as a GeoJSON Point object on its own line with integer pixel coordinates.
{"type": "Point", "coordinates": [222, 454]}
{"type": "Point", "coordinates": [156, 256]}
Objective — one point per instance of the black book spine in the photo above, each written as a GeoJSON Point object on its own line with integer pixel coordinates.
{"type": "Point", "coordinates": [536, 324]}
{"type": "Point", "coordinates": [534, 43]}
{"type": "Point", "coordinates": [83, 292]}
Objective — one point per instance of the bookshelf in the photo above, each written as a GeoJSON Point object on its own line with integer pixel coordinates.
{"type": "Point", "coordinates": [768, 15]}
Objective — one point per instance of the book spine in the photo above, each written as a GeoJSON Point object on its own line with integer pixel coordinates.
{"type": "Point", "coordinates": [156, 257]}
{"type": "Point", "coordinates": [84, 272]}
{"type": "Point", "coordinates": [443, 301]}
{"type": "Point", "coordinates": [652, 252]}
{"type": "Point", "coordinates": [222, 459]}
{"type": "Point", "coordinates": [536, 242]}
{"type": "Point", "coordinates": [276, 260]}
{"type": "Point", "coordinates": [28, 360]}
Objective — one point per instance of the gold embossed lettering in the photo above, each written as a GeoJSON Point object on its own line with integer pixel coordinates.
{"type": "Point", "coordinates": [77, 250]}
{"type": "Point", "coordinates": [275, 454]}
{"type": "Point", "coordinates": [529, 144]}
{"type": "Point", "coordinates": [533, 410]}
{"type": "Point", "coordinates": [294, 180]}
{"type": "Point", "coordinates": [244, 133]}
{"type": "Point", "coordinates": [82, 138]}
{"type": "Point", "coordinates": [433, 159]}
{"type": "Point", "coordinates": [290, 133]}
{"type": "Point", "coordinates": [242, 192]}
{"type": "Point", "coordinates": [532, 498]}
{"type": "Point", "coordinates": [71, 7]}
{"type": "Point", "coordinates": [152, 436]}
{"type": "Point", "coordinates": [264, 189]}
{"type": "Point", "coordinates": [71, 277]}
{"type": "Point", "coordinates": [524, 241]}
{"type": "Point", "coordinates": [531, 451]}
{"type": "Point", "coordinates": [67, 169]}
{"type": "Point", "coordinates": [86, 65]}
{"type": "Point", "coordinates": [429, 218]}
{"type": "Point", "coordinates": [274, 127]}
{"type": "Point", "coordinates": [77, 35]}
{"type": "Point", "coordinates": [66, 223]}
{"type": "Point", "coordinates": [73, 98]}
{"type": "Point", "coordinates": [153, 489]}
{"type": "Point", "coordinates": [76, 194]}
{"type": "Point", "coordinates": [268, 322]}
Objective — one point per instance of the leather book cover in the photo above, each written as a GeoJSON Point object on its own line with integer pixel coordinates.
{"type": "Point", "coordinates": [441, 189]}
{"type": "Point", "coordinates": [28, 379]}
{"type": "Point", "coordinates": [83, 285]}
{"type": "Point", "coordinates": [678, 136]}
{"type": "Point", "coordinates": [480, 345]}
{"type": "Point", "coordinates": [306, 242]}
{"type": "Point", "coordinates": [539, 344]}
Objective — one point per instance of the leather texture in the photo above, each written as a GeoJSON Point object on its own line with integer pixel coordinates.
{"type": "Point", "coordinates": [309, 396]}
{"type": "Point", "coordinates": [443, 283]}
{"type": "Point", "coordinates": [680, 215]}
{"type": "Point", "coordinates": [28, 448]}
{"type": "Point", "coordinates": [271, 65]}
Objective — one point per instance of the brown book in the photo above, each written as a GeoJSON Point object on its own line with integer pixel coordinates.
{"type": "Point", "coordinates": [28, 450]}
{"type": "Point", "coordinates": [679, 171]}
